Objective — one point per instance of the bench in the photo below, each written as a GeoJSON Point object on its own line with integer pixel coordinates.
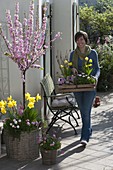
{"type": "Point", "coordinates": [62, 106]}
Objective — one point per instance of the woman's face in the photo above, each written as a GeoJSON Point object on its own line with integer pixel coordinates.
{"type": "Point", "coordinates": [81, 42]}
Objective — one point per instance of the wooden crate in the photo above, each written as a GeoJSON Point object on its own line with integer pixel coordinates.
{"type": "Point", "coordinates": [65, 88]}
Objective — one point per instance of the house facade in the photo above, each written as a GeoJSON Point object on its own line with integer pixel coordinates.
{"type": "Point", "coordinates": [63, 17]}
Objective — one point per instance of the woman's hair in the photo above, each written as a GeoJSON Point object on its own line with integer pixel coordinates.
{"type": "Point", "coordinates": [80, 34]}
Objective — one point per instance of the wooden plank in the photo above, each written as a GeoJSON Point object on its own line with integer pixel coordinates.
{"type": "Point", "coordinates": [71, 86]}
{"type": "Point", "coordinates": [75, 88]}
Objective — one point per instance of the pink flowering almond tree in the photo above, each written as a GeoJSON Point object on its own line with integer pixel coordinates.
{"type": "Point", "coordinates": [27, 40]}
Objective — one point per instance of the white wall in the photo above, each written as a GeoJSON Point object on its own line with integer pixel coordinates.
{"type": "Point", "coordinates": [33, 75]}
{"type": "Point", "coordinates": [62, 21]}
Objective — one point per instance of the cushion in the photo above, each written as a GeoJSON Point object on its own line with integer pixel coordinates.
{"type": "Point", "coordinates": [63, 101]}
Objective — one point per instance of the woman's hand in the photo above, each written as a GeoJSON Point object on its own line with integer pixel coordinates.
{"type": "Point", "coordinates": [75, 72]}
{"type": "Point", "coordinates": [96, 79]}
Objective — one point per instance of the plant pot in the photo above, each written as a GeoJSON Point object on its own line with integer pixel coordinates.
{"type": "Point", "coordinates": [23, 148]}
{"type": "Point", "coordinates": [49, 157]}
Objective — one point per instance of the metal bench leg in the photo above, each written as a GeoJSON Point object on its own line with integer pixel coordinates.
{"type": "Point", "coordinates": [54, 119]}
{"type": "Point", "coordinates": [76, 113]}
{"type": "Point", "coordinates": [71, 114]}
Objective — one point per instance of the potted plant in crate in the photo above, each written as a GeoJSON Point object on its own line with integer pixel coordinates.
{"type": "Point", "coordinates": [26, 46]}
{"type": "Point", "coordinates": [49, 145]}
{"type": "Point", "coordinates": [84, 76]}
{"type": "Point", "coordinates": [65, 69]}
{"type": "Point", "coordinates": [21, 127]}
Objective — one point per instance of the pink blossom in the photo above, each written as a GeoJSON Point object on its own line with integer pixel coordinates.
{"type": "Point", "coordinates": [52, 144]}
{"type": "Point", "coordinates": [33, 123]}
{"type": "Point", "coordinates": [20, 109]}
{"type": "Point", "coordinates": [28, 123]}
{"type": "Point", "coordinates": [27, 44]}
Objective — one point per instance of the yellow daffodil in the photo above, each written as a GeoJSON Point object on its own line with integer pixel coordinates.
{"type": "Point", "coordinates": [10, 104]}
{"type": "Point", "coordinates": [70, 64]}
{"type": "Point", "coordinates": [90, 60]}
{"type": "Point", "coordinates": [19, 115]}
{"type": "Point", "coordinates": [2, 103]}
{"type": "Point", "coordinates": [65, 61]}
{"type": "Point", "coordinates": [3, 110]}
{"type": "Point", "coordinates": [32, 99]}
{"type": "Point", "coordinates": [31, 105]}
{"type": "Point", "coordinates": [38, 97]}
{"type": "Point", "coordinates": [86, 58]}
{"type": "Point", "coordinates": [27, 96]}
{"type": "Point", "coordinates": [90, 65]}
{"type": "Point", "coordinates": [61, 66]}
{"type": "Point", "coordinates": [65, 68]}
{"type": "Point", "coordinates": [14, 103]}
{"type": "Point", "coordinates": [5, 103]}
{"type": "Point", "coordinates": [9, 98]}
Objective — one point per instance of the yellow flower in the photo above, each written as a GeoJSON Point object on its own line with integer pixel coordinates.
{"type": "Point", "coordinates": [38, 97]}
{"type": "Point", "coordinates": [3, 110]}
{"type": "Point", "coordinates": [32, 99]}
{"type": "Point", "coordinates": [61, 66]}
{"type": "Point", "coordinates": [70, 64]}
{"type": "Point", "coordinates": [86, 58]}
{"type": "Point", "coordinates": [31, 105]}
{"type": "Point", "coordinates": [2, 103]}
{"type": "Point", "coordinates": [90, 65]}
{"type": "Point", "coordinates": [10, 104]}
{"type": "Point", "coordinates": [27, 96]}
{"type": "Point", "coordinates": [65, 61]}
{"type": "Point", "coordinates": [90, 61]}
{"type": "Point", "coordinates": [5, 103]}
{"type": "Point", "coordinates": [14, 103]}
{"type": "Point", "coordinates": [9, 98]}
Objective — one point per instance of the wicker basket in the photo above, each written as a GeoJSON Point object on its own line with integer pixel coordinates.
{"type": "Point", "coordinates": [23, 148]}
{"type": "Point", "coordinates": [49, 157]}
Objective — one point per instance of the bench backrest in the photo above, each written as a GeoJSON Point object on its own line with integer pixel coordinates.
{"type": "Point", "coordinates": [48, 85]}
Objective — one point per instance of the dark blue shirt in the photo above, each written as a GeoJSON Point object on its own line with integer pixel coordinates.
{"type": "Point", "coordinates": [95, 64]}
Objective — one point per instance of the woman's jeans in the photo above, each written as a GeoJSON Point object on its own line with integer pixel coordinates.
{"type": "Point", "coordinates": [85, 101]}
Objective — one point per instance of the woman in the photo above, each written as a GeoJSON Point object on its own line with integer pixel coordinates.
{"type": "Point", "coordinates": [84, 99]}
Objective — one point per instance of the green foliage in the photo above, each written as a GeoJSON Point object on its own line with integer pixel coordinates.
{"type": "Point", "coordinates": [28, 121]}
{"type": "Point", "coordinates": [87, 67]}
{"type": "Point", "coordinates": [84, 79]}
{"type": "Point", "coordinates": [105, 53]}
{"type": "Point", "coordinates": [86, 17]}
{"type": "Point", "coordinates": [20, 119]}
{"type": "Point", "coordinates": [95, 22]}
{"type": "Point", "coordinates": [103, 5]}
{"type": "Point", "coordinates": [64, 66]}
{"type": "Point", "coordinates": [85, 76]}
